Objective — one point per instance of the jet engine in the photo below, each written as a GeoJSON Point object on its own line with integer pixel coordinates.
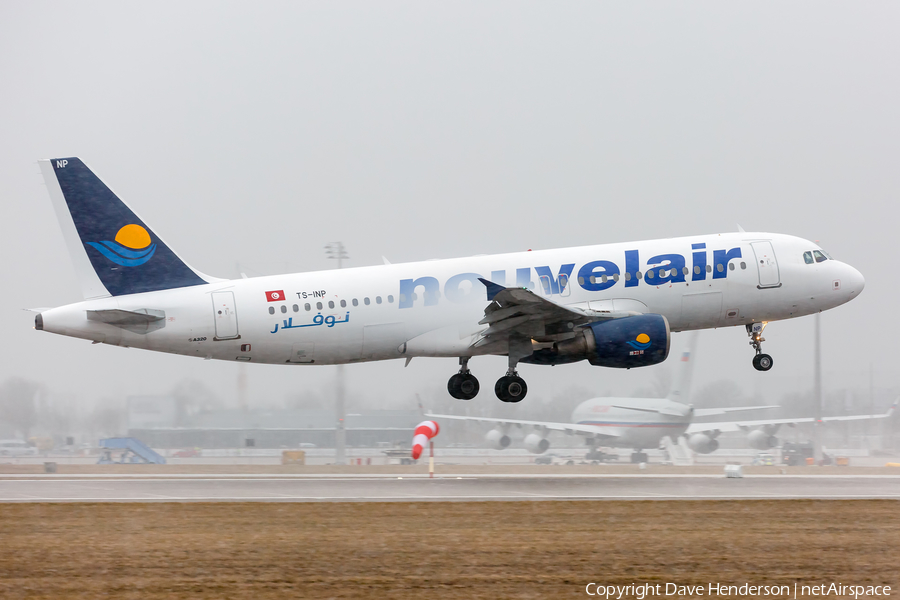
{"type": "Point", "coordinates": [761, 440]}
{"type": "Point", "coordinates": [636, 341]}
{"type": "Point", "coordinates": [536, 444]}
{"type": "Point", "coordinates": [702, 443]}
{"type": "Point", "coordinates": [497, 440]}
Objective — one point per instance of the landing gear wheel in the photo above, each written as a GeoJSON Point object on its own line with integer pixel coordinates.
{"type": "Point", "coordinates": [762, 362]}
{"type": "Point", "coordinates": [511, 388]}
{"type": "Point", "coordinates": [453, 385]}
{"type": "Point", "coordinates": [463, 385]}
{"type": "Point", "coordinates": [468, 387]}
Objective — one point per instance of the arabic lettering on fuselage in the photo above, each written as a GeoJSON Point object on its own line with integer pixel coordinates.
{"type": "Point", "coordinates": [593, 276]}
{"type": "Point", "coordinates": [317, 320]}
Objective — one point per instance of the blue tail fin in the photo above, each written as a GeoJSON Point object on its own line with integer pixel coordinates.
{"type": "Point", "coordinates": [114, 251]}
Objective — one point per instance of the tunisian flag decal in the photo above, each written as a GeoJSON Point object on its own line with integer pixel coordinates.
{"type": "Point", "coordinates": [276, 296]}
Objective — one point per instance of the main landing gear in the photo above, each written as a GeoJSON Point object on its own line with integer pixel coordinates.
{"type": "Point", "coordinates": [463, 385]}
{"type": "Point", "coordinates": [761, 362]}
{"type": "Point", "coordinates": [511, 387]}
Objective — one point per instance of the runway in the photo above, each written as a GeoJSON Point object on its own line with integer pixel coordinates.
{"type": "Point", "coordinates": [459, 488]}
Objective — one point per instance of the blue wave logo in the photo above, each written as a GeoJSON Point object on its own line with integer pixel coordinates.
{"type": "Point", "coordinates": [131, 248]}
{"type": "Point", "coordinates": [641, 342]}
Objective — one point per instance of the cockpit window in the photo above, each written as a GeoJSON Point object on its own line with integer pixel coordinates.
{"type": "Point", "coordinates": [820, 256]}
{"type": "Point", "coordinates": [807, 258]}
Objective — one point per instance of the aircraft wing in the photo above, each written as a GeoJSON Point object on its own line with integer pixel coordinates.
{"type": "Point", "coordinates": [567, 428]}
{"type": "Point", "coordinates": [706, 412]}
{"type": "Point", "coordinates": [519, 311]}
{"type": "Point", "coordinates": [745, 425]}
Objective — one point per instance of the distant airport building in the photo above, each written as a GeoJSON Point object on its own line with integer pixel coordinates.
{"type": "Point", "coordinates": [156, 422]}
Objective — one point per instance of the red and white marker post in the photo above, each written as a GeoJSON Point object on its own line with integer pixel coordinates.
{"type": "Point", "coordinates": [425, 433]}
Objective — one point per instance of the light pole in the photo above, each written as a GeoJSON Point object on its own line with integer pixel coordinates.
{"type": "Point", "coordinates": [337, 251]}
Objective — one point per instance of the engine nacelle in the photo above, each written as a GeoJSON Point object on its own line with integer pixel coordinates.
{"type": "Point", "coordinates": [497, 440]}
{"type": "Point", "coordinates": [637, 341]}
{"type": "Point", "coordinates": [702, 443]}
{"type": "Point", "coordinates": [761, 440]}
{"type": "Point", "coordinates": [536, 444]}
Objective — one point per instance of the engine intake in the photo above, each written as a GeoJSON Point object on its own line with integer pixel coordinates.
{"type": "Point", "coordinates": [497, 440]}
{"type": "Point", "coordinates": [536, 444]}
{"type": "Point", "coordinates": [702, 443]}
{"type": "Point", "coordinates": [761, 440]}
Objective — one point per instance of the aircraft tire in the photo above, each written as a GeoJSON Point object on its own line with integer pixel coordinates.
{"type": "Point", "coordinates": [467, 387]}
{"type": "Point", "coordinates": [762, 362]}
{"type": "Point", "coordinates": [511, 388]}
{"type": "Point", "coordinates": [453, 386]}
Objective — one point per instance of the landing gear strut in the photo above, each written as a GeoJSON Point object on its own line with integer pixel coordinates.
{"type": "Point", "coordinates": [463, 385]}
{"type": "Point", "coordinates": [761, 362]}
{"type": "Point", "coordinates": [511, 387]}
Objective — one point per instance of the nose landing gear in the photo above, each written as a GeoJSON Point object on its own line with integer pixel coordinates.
{"type": "Point", "coordinates": [761, 362]}
{"type": "Point", "coordinates": [463, 385]}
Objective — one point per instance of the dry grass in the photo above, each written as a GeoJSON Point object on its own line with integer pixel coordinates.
{"type": "Point", "coordinates": [435, 550]}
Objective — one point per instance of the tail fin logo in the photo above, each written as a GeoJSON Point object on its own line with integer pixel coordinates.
{"type": "Point", "coordinates": [132, 247]}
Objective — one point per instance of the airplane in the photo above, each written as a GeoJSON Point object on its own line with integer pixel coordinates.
{"type": "Point", "coordinates": [641, 423]}
{"type": "Point", "coordinates": [614, 305]}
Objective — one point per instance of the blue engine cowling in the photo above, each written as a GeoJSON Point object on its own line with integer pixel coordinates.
{"type": "Point", "coordinates": [638, 341]}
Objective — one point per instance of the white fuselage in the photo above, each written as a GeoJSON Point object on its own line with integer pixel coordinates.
{"type": "Point", "coordinates": [432, 308]}
{"type": "Point", "coordinates": [630, 428]}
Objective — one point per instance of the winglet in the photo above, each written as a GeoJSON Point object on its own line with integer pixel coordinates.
{"type": "Point", "coordinates": [893, 407]}
{"type": "Point", "coordinates": [492, 288]}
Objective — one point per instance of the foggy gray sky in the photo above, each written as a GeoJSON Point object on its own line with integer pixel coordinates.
{"type": "Point", "coordinates": [258, 132]}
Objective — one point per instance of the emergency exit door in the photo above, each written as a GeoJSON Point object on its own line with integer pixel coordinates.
{"type": "Point", "coordinates": [225, 315]}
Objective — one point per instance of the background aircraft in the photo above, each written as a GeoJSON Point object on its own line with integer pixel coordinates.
{"type": "Point", "coordinates": [641, 423]}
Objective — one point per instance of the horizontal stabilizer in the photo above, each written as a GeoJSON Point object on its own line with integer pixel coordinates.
{"type": "Point", "coordinates": [142, 320]}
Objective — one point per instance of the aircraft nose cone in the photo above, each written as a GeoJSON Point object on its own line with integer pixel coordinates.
{"type": "Point", "coordinates": [854, 281]}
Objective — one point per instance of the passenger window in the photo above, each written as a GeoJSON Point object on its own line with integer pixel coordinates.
{"type": "Point", "coordinates": [271, 310]}
{"type": "Point", "coordinates": [819, 256]}
{"type": "Point", "coordinates": [331, 304]}
{"type": "Point", "coordinates": [318, 306]}
{"type": "Point", "coordinates": [649, 274]}
{"type": "Point", "coordinates": [283, 308]}
{"type": "Point", "coordinates": [366, 301]}
{"type": "Point", "coordinates": [720, 268]}
{"type": "Point", "coordinates": [378, 299]}
{"type": "Point", "coordinates": [603, 279]}
{"type": "Point", "coordinates": [807, 258]}
{"type": "Point", "coordinates": [615, 276]}
{"type": "Point", "coordinates": [685, 271]}
{"type": "Point", "coordinates": [627, 276]}
{"type": "Point", "coordinates": [638, 274]}
{"type": "Point", "coordinates": [296, 308]}
{"type": "Point", "coordinates": [307, 306]}
{"type": "Point", "coordinates": [343, 304]}
{"type": "Point", "coordinates": [581, 280]}
{"type": "Point", "coordinates": [731, 266]}
{"type": "Point", "coordinates": [696, 269]}
{"type": "Point", "coordinates": [390, 299]}
{"type": "Point", "coordinates": [355, 302]}
{"type": "Point", "coordinates": [709, 268]}
{"type": "Point", "coordinates": [743, 265]}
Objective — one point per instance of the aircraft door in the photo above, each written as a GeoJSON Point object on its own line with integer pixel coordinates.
{"type": "Point", "coordinates": [766, 264]}
{"type": "Point", "coordinates": [225, 314]}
